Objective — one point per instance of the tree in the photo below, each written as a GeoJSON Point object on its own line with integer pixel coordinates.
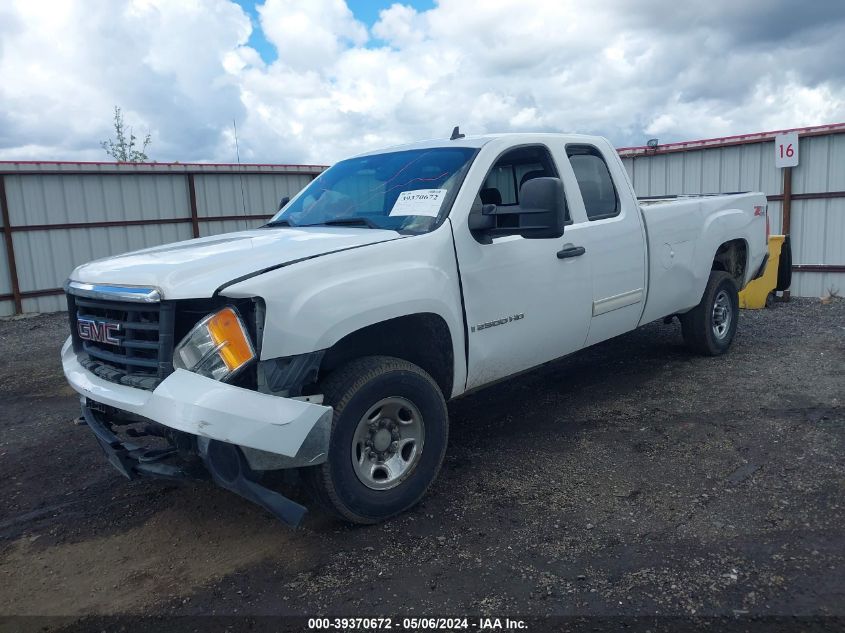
{"type": "Point", "coordinates": [123, 149]}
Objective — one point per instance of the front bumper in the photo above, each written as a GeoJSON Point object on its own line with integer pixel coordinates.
{"type": "Point", "coordinates": [236, 432]}
{"type": "Point", "coordinates": [224, 462]}
{"type": "Point", "coordinates": [273, 432]}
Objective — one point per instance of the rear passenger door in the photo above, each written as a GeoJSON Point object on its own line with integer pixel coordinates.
{"type": "Point", "coordinates": [613, 236]}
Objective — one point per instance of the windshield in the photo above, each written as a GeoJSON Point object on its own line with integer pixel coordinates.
{"type": "Point", "coordinates": [402, 191]}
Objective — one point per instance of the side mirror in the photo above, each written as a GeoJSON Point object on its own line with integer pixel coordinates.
{"type": "Point", "coordinates": [482, 217]}
{"type": "Point", "coordinates": [283, 202]}
{"type": "Point", "coordinates": [541, 213]}
{"type": "Point", "coordinates": [542, 205]}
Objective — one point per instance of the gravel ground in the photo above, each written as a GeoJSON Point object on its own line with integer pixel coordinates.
{"type": "Point", "coordinates": [631, 478]}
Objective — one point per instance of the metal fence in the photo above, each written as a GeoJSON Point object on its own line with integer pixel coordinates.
{"type": "Point", "coordinates": [807, 202]}
{"type": "Point", "coordinates": [56, 216]}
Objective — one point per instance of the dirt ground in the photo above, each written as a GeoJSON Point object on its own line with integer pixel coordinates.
{"type": "Point", "coordinates": [631, 478]}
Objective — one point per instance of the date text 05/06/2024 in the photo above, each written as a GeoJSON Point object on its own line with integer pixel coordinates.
{"type": "Point", "coordinates": [417, 624]}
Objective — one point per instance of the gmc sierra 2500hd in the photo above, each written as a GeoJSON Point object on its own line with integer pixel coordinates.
{"type": "Point", "coordinates": [329, 339]}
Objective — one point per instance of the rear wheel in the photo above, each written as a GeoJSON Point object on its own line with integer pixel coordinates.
{"type": "Point", "coordinates": [388, 439]}
{"type": "Point", "coordinates": [709, 328]}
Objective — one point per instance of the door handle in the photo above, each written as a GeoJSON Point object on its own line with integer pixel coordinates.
{"type": "Point", "coordinates": [571, 251]}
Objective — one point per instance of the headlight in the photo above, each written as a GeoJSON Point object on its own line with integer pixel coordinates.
{"type": "Point", "coordinates": [217, 347]}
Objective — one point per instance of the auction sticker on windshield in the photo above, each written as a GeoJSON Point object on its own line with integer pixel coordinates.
{"type": "Point", "coordinates": [421, 202]}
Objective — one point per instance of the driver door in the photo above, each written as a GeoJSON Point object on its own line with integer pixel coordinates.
{"type": "Point", "coordinates": [527, 301]}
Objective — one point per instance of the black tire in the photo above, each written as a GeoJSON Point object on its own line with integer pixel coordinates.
{"type": "Point", "coordinates": [699, 324]}
{"type": "Point", "coordinates": [353, 390]}
{"type": "Point", "coordinates": [785, 266]}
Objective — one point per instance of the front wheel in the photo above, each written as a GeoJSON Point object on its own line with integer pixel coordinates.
{"type": "Point", "coordinates": [709, 328]}
{"type": "Point", "coordinates": [388, 440]}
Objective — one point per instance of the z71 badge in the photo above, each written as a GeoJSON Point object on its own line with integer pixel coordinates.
{"type": "Point", "coordinates": [489, 324]}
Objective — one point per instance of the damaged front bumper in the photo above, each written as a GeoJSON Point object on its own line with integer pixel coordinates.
{"type": "Point", "coordinates": [234, 431]}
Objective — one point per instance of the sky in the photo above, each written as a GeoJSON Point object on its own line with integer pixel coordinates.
{"type": "Point", "coordinates": [314, 81]}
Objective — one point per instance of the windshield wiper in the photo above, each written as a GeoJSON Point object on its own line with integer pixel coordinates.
{"type": "Point", "coordinates": [281, 222]}
{"type": "Point", "coordinates": [357, 221]}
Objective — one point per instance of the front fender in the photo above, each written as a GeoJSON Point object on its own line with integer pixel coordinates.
{"type": "Point", "coordinates": [313, 304]}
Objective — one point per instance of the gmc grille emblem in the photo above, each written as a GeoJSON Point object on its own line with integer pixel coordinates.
{"type": "Point", "coordinates": [98, 331]}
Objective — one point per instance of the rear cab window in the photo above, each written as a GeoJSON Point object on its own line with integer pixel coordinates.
{"type": "Point", "coordinates": [601, 200]}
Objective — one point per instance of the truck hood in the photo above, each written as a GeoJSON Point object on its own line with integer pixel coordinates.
{"type": "Point", "coordinates": [196, 268]}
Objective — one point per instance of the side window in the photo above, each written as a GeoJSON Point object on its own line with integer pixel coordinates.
{"type": "Point", "coordinates": [498, 188]}
{"type": "Point", "coordinates": [513, 169]}
{"type": "Point", "coordinates": [594, 181]}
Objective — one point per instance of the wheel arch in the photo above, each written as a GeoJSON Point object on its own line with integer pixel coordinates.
{"type": "Point", "coordinates": [423, 339]}
{"type": "Point", "coordinates": [732, 258]}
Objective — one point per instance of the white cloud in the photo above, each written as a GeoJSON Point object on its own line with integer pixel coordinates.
{"type": "Point", "coordinates": [309, 34]}
{"type": "Point", "coordinates": [400, 26]}
{"type": "Point", "coordinates": [64, 65]}
{"type": "Point", "coordinates": [183, 70]}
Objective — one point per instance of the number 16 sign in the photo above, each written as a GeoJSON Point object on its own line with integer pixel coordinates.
{"type": "Point", "coordinates": [786, 150]}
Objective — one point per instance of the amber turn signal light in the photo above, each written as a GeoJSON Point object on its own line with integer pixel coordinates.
{"type": "Point", "coordinates": [232, 341]}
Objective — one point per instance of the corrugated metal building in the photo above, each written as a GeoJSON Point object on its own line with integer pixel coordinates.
{"type": "Point", "coordinates": [808, 200]}
{"type": "Point", "coordinates": [57, 215]}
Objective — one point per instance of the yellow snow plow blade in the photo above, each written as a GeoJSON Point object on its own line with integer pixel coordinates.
{"type": "Point", "coordinates": [761, 292]}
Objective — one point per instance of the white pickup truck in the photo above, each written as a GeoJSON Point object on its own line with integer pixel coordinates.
{"type": "Point", "coordinates": [330, 339]}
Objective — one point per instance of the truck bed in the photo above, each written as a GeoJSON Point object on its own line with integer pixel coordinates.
{"type": "Point", "coordinates": [684, 231]}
